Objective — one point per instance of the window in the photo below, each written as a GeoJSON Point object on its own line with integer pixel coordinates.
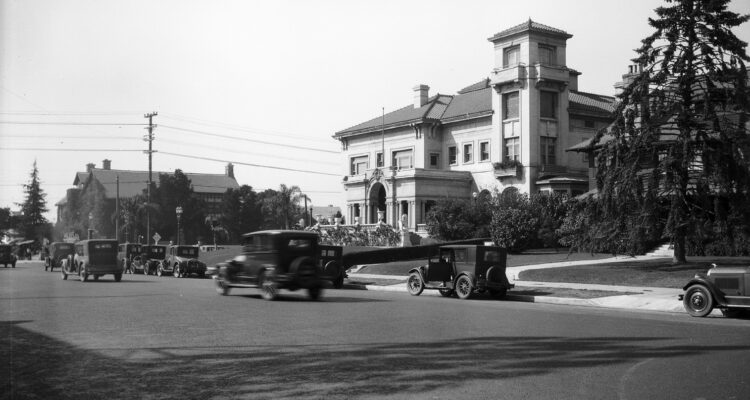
{"type": "Point", "coordinates": [547, 55]}
{"type": "Point", "coordinates": [510, 105]}
{"type": "Point", "coordinates": [379, 159]}
{"type": "Point", "coordinates": [548, 105]}
{"type": "Point", "coordinates": [484, 151]}
{"type": "Point", "coordinates": [452, 155]}
{"type": "Point", "coordinates": [403, 159]}
{"type": "Point", "coordinates": [547, 152]}
{"type": "Point", "coordinates": [358, 165]}
{"type": "Point", "coordinates": [511, 56]}
{"type": "Point", "coordinates": [468, 153]}
{"type": "Point", "coordinates": [434, 160]}
{"type": "Point", "coordinates": [513, 149]}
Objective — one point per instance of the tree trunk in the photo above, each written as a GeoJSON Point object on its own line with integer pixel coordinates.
{"type": "Point", "coordinates": [678, 257]}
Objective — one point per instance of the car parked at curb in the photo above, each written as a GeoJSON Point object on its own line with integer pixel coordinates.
{"type": "Point", "coordinates": [463, 270]}
{"type": "Point", "coordinates": [152, 257]}
{"type": "Point", "coordinates": [56, 253]}
{"type": "Point", "coordinates": [94, 257]}
{"type": "Point", "coordinates": [182, 261]}
{"type": "Point", "coordinates": [7, 256]}
{"type": "Point", "coordinates": [725, 288]}
{"type": "Point", "coordinates": [129, 255]}
{"type": "Point", "coordinates": [273, 260]}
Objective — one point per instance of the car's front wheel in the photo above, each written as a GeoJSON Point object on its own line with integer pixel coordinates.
{"type": "Point", "coordinates": [698, 301]}
{"type": "Point", "coordinates": [118, 277]}
{"type": "Point", "coordinates": [268, 288]}
{"type": "Point", "coordinates": [176, 271]}
{"type": "Point", "coordinates": [314, 292]}
{"type": "Point", "coordinates": [414, 284]}
{"type": "Point", "coordinates": [82, 274]}
{"type": "Point", "coordinates": [464, 287]}
{"type": "Point", "coordinates": [221, 287]}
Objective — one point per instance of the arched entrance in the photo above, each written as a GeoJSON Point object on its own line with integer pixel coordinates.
{"type": "Point", "coordinates": [377, 202]}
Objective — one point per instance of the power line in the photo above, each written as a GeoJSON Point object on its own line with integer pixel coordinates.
{"type": "Point", "coordinates": [249, 164]}
{"type": "Point", "coordinates": [247, 139]}
{"type": "Point", "coordinates": [67, 137]}
{"type": "Point", "coordinates": [59, 149]}
{"type": "Point", "coordinates": [70, 123]}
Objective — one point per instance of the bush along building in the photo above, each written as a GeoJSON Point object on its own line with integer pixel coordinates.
{"type": "Point", "coordinates": [91, 204]}
{"type": "Point", "coordinates": [507, 132]}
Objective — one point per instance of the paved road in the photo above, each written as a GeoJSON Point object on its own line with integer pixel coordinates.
{"type": "Point", "coordinates": [152, 338]}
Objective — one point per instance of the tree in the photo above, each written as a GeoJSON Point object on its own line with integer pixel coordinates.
{"type": "Point", "coordinates": [34, 224]}
{"type": "Point", "coordinates": [283, 207]}
{"type": "Point", "coordinates": [457, 219]}
{"type": "Point", "coordinates": [241, 212]}
{"type": "Point", "coordinates": [176, 190]}
{"type": "Point", "coordinates": [679, 145]}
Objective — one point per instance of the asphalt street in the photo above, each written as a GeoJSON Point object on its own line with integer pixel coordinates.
{"type": "Point", "coordinates": [151, 338]}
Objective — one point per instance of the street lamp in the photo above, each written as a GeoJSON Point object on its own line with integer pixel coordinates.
{"type": "Point", "coordinates": [90, 230]}
{"type": "Point", "coordinates": [178, 211]}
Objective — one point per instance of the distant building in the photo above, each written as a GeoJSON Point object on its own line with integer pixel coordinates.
{"type": "Point", "coordinates": [211, 188]}
{"type": "Point", "coordinates": [508, 131]}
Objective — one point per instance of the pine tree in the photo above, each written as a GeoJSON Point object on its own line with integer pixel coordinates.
{"type": "Point", "coordinates": [677, 161]}
{"type": "Point", "coordinates": [33, 207]}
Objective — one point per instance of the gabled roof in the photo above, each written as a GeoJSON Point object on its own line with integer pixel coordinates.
{"type": "Point", "coordinates": [132, 183]}
{"type": "Point", "coordinates": [529, 26]}
{"type": "Point", "coordinates": [433, 109]}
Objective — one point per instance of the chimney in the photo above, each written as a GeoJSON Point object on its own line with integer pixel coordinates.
{"type": "Point", "coordinates": [633, 71]}
{"type": "Point", "coordinates": [420, 95]}
{"type": "Point", "coordinates": [107, 164]}
{"type": "Point", "coordinates": [229, 170]}
{"type": "Point", "coordinates": [90, 167]}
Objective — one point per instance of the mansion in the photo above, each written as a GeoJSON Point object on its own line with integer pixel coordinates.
{"type": "Point", "coordinates": [509, 131]}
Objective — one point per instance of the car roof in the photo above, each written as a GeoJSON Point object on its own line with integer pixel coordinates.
{"type": "Point", "coordinates": [282, 232]}
{"type": "Point", "coordinates": [96, 240]}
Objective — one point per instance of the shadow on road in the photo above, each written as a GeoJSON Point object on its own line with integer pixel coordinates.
{"type": "Point", "coordinates": [38, 366]}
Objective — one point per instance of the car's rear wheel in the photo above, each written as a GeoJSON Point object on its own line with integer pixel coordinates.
{"type": "Point", "coordinates": [160, 271]}
{"type": "Point", "coordinates": [82, 275]}
{"type": "Point", "coordinates": [464, 287]}
{"type": "Point", "coordinates": [698, 301]}
{"type": "Point", "coordinates": [64, 275]}
{"type": "Point", "coordinates": [221, 286]}
{"type": "Point", "coordinates": [414, 284]}
{"type": "Point", "coordinates": [338, 283]}
{"type": "Point", "coordinates": [118, 277]}
{"type": "Point", "coordinates": [176, 271]}
{"type": "Point", "coordinates": [268, 288]}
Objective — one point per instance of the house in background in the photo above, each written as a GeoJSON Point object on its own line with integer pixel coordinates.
{"type": "Point", "coordinates": [210, 188]}
{"type": "Point", "coordinates": [506, 132]}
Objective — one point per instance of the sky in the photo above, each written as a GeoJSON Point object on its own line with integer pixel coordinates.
{"type": "Point", "coordinates": [261, 84]}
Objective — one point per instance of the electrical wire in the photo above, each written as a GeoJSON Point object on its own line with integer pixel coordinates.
{"type": "Point", "coordinates": [249, 164]}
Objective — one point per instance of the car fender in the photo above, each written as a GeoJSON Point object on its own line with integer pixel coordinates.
{"type": "Point", "coordinates": [471, 276]}
{"type": "Point", "coordinates": [422, 271]}
{"type": "Point", "coordinates": [702, 279]}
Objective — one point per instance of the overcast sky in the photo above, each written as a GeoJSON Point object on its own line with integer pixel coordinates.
{"type": "Point", "coordinates": [282, 76]}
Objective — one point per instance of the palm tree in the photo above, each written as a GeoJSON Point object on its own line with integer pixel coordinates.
{"type": "Point", "coordinates": [286, 202]}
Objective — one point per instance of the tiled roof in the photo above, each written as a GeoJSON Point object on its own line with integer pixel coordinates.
{"type": "Point", "coordinates": [433, 109]}
{"type": "Point", "coordinates": [529, 26]}
{"type": "Point", "coordinates": [483, 84]}
{"type": "Point", "coordinates": [589, 103]}
{"type": "Point", "coordinates": [469, 104]}
{"type": "Point", "coordinates": [132, 183]}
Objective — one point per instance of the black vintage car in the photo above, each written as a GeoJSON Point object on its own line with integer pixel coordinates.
{"type": "Point", "coordinates": [182, 261]}
{"type": "Point", "coordinates": [725, 288]}
{"type": "Point", "coordinates": [56, 253]}
{"type": "Point", "coordinates": [274, 260]}
{"type": "Point", "coordinates": [330, 264]}
{"type": "Point", "coordinates": [94, 257]}
{"type": "Point", "coordinates": [462, 270]}
{"type": "Point", "coordinates": [152, 257]}
{"type": "Point", "coordinates": [129, 255]}
{"type": "Point", "coordinates": [7, 256]}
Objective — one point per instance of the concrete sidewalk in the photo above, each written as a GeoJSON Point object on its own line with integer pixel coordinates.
{"type": "Point", "coordinates": [645, 298]}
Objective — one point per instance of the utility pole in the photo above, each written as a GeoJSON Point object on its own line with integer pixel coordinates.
{"type": "Point", "coordinates": [149, 138]}
{"type": "Point", "coordinates": [117, 210]}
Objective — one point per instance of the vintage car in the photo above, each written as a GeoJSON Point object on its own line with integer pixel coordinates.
{"type": "Point", "coordinates": [274, 260]}
{"type": "Point", "coordinates": [7, 256]}
{"type": "Point", "coordinates": [462, 270]}
{"type": "Point", "coordinates": [152, 257]}
{"type": "Point", "coordinates": [725, 288]}
{"type": "Point", "coordinates": [182, 261]}
{"type": "Point", "coordinates": [129, 255]}
{"type": "Point", "coordinates": [56, 253]}
{"type": "Point", "coordinates": [93, 257]}
{"type": "Point", "coordinates": [330, 265]}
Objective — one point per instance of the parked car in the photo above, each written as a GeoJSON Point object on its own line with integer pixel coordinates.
{"type": "Point", "coordinates": [725, 288]}
{"type": "Point", "coordinates": [330, 265]}
{"type": "Point", "coordinates": [182, 261]}
{"type": "Point", "coordinates": [274, 260]}
{"type": "Point", "coordinates": [7, 256]}
{"type": "Point", "coordinates": [462, 270]}
{"type": "Point", "coordinates": [56, 253]}
{"type": "Point", "coordinates": [94, 257]}
{"type": "Point", "coordinates": [152, 257]}
{"type": "Point", "coordinates": [129, 255]}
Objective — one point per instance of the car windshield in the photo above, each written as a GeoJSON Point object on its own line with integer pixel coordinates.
{"type": "Point", "coordinates": [491, 256]}
{"type": "Point", "coordinates": [64, 247]}
{"type": "Point", "coordinates": [156, 251]}
{"type": "Point", "coordinates": [187, 251]}
{"type": "Point", "coordinates": [98, 247]}
{"type": "Point", "coordinates": [299, 244]}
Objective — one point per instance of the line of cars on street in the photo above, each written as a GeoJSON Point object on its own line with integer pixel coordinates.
{"type": "Point", "coordinates": [97, 257]}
